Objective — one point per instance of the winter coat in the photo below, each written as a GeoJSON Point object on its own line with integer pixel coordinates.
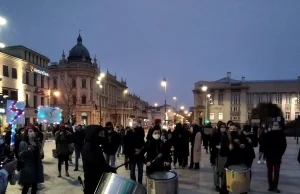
{"type": "Point", "coordinates": [274, 145]}
{"type": "Point", "coordinates": [197, 148]}
{"type": "Point", "coordinates": [137, 142]}
{"type": "Point", "coordinates": [113, 143]}
{"type": "Point", "coordinates": [214, 142]}
{"type": "Point", "coordinates": [153, 149]}
{"type": "Point", "coordinates": [94, 163]}
{"type": "Point", "coordinates": [62, 143]}
{"type": "Point", "coordinates": [128, 139]}
{"type": "Point", "coordinates": [79, 138]}
{"type": "Point", "coordinates": [32, 170]}
{"type": "Point", "coordinates": [249, 147]}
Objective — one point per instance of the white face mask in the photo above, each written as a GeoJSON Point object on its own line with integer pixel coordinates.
{"type": "Point", "coordinates": [222, 129]}
{"type": "Point", "coordinates": [156, 136]}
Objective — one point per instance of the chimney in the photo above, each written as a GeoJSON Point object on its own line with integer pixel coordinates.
{"type": "Point", "coordinates": [229, 75]}
{"type": "Point", "coordinates": [243, 79]}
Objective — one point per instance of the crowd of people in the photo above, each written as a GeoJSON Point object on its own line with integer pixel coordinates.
{"type": "Point", "coordinates": [228, 144]}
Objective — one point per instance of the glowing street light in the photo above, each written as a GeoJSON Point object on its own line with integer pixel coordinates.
{"type": "Point", "coordinates": [2, 45]}
{"type": "Point", "coordinates": [125, 91]}
{"type": "Point", "coordinates": [99, 82]}
{"type": "Point", "coordinates": [155, 104]}
{"type": "Point", "coordinates": [182, 108]}
{"type": "Point", "coordinates": [2, 21]}
{"type": "Point", "coordinates": [185, 112]}
{"type": "Point", "coordinates": [204, 88]}
{"type": "Point", "coordinates": [169, 110]}
{"type": "Point", "coordinates": [208, 95]}
{"type": "Point", "coordinates": [56, 93]}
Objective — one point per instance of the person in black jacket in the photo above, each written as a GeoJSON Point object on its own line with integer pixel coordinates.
{"type": "Point", "coordinates": [236, 154]}
{"type": "Point", "coordinates": [215, 145]}
{"type": "Point", "coordinates": [250, 140]}
{"type": "Point", "coordinates": [113, 142]}
{"type": "Point", "coordinates": [155, 147]}
{"type": "Point", "coordinates": [128, 146]}
{"type": "Point", "coordinates": [274, 145]}
{"type": "Point", "coordinates": [94, 164]}
{"type": "Point", "coordinates": [79, 142]}
{"type": "Point", "coordinates": [136, 158]}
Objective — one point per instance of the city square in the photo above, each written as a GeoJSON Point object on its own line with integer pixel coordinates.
{"type": "Point", "coordinates": [191, 82]}
{"type": "Point", "coordinates": [190, 181]}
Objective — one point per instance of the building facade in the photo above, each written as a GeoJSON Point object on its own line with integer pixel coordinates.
{"type": "Point", "coordinates": [76, 76]}
{"type": "Point", "coordinates": [25, 77]}
{"type": "Point", "coordinates": [231, 99]}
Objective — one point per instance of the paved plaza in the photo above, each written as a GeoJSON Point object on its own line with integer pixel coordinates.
{"type": "Point", "coordinates": [190, 181]}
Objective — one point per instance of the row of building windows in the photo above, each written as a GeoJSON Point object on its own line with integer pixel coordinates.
{"type": "Point", "coordinates": [258, 98]}
{"type": "Point", "coordinates": [6, 73]}
{"type": "Point", "coordinates": [288, 115]}
{"type": "Point", "coordinates": [35, 59]}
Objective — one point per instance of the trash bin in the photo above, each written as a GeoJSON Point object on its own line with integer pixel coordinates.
{"type": "Point", "coordinates": [164, 182]}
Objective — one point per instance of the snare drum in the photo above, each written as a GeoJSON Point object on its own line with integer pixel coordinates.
{"type": "Point", "coordinates": [238, 178]}
{"type": "Point", "coordinates": [111, 183]}
{"type": "Point", "coordinates": [162, 182]}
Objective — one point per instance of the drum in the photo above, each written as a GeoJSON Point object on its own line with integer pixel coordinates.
{"type": "Point", "coordinates": [238, 178]}
{"type": "Point", "coordinates": [111, 183]}
{"type": "Point", "coordinates": [163, 182]}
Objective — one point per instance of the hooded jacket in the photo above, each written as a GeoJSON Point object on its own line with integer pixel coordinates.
{"type": "Point", "coordinates": [93, 160]}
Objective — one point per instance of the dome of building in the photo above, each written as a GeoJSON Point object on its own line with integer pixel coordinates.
{"type": "Point", "coordinates": [79, 53]}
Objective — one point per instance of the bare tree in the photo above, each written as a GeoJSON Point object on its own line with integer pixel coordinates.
{"type": "Point", "coordinates": [66, 94]}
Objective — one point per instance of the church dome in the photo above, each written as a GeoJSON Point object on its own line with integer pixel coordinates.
{"type": "Point", "coordinates": [79, 53]}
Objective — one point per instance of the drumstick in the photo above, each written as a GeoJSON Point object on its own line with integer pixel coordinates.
{"type": "Point", "coordinates": [122, 165]}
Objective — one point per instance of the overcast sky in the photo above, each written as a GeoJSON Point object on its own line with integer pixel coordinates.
{"type": "Point", "coordinates": [182, 40]}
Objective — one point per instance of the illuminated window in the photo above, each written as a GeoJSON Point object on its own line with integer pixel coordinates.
{"type": "Point", "coordinates": [220, 116]}
{"type": "Point", "coordinates": [211, 116]}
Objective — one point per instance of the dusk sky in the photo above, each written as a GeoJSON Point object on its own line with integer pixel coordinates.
{"type": "Point", "coordinates": [182, 40]}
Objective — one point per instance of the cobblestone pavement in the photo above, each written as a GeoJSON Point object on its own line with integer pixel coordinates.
{"type": "Point", "coordinates": [190, 181]}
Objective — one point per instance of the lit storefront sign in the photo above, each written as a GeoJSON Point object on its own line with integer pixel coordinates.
{"type": "Point", "coordinates": [33, 69]}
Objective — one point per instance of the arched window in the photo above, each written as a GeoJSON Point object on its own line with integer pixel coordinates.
{"type": "Point", "coordinates": [74, 100]}
{"type": "Point", "coordinates": [83, 99]}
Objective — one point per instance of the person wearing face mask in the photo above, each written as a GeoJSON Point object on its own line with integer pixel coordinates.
{"type": "Point", "coordinates": [235, 153]}
{"type": "Point", "coordinates": [274, 146]}
{"type": "Point", "coordinates": [155, 147]}
{"type": "Point", "coordinates": [62, 149]}
{"type": "Point", "coordinates": [94, 163]}
{"type": "Point", "coordinates": [250, 141]}
{"type": "Point", "coordinates": [113, 143]}
{"type": "Point", "coordinates": [32, 172]}
{"type": "Point", "coordinates": [215, 144]}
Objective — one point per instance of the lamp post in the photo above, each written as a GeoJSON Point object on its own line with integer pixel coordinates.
{"type": "Point", "coordinates": [155, 105]}
{"type": "Point", "coordinates": [125, 92]}
{"type": "Point", "coordinates": [2, 23]}
{"type": "Point", "coordinates": [164, 85]}
{"type": "Point", "coordinates": [175, 99]}
{"type": "Point", "coordinates": [99, 82]}
{"type": "Point", "coordinates": [204, 89]}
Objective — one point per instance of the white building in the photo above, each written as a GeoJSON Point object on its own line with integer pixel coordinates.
{"type": "Point", "coordinates": [232, 99]}
{"type": "Point", "coordinates": [25, 78]}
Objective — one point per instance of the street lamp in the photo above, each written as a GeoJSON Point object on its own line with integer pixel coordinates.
{"type": "Point", "coordinates": [204, 89]}
{"type": "Point", "coordinates": [99, 82]}
{"type": "Point", "coordinates": [164, 84]}
{"type": "Point", "coordinates": [182, 108]}
{"type": "Point", "coordinates": [175, 99]}
{"type": "Point", "coordinates": [2, 21]}
{"type": "Point", "coordinates": [125, 92]}
{"type": "Point", "coordinates": [155, 104]}
{"type": "Point", "coordinates": [56, 93]}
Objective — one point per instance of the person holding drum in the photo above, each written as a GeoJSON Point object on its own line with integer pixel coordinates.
{"type": "Point", "coordinates": [94, 164]}
{"type": "Point", "coordinates": [236, 164]}
{"type": "Point", "coordinates": [158, 154]}
{"type": "Point", "coordinates": [217, 161]}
